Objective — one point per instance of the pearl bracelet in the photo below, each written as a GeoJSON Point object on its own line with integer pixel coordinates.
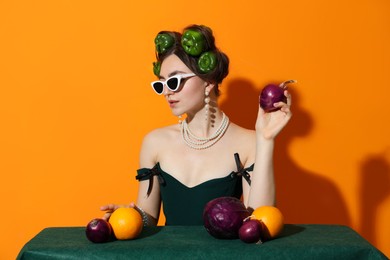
{"type": "Point", "coordinates": [145, 218]}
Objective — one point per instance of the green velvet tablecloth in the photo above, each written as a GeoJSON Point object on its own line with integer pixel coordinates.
{"type": "Point", "coordinates": [193, 242]}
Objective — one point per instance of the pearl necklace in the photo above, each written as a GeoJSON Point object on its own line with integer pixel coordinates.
{"type": "Point", "coordinates": [200, 143]}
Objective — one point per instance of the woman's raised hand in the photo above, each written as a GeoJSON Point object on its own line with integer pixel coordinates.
{"type": "Point", "coordinates": [270, 124]}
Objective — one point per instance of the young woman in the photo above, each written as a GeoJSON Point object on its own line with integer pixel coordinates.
{"type": "Point", "coordinates": [183, 166]}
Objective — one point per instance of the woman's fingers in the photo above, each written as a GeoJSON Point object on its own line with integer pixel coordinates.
{"type": "Point", "coordinates": [109, 208]}
{"type": "Point", "coordinates": [281, 103]}
{"type": "Point", "coordinates": [106, 216]}
{"type": "Point", "coordinates": [285, 107]}
{"type": "Point", "coordinates": [288, 96]}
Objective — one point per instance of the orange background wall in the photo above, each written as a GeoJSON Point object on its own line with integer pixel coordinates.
{"type": "Point", "coordinates": [75, 103]}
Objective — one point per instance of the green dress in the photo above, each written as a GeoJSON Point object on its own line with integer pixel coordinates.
{"type": "Point", "coordinates": [184, 205]}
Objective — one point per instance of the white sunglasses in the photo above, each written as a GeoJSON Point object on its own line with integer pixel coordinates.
{"type": "Point", "coordinates": [173, 83]}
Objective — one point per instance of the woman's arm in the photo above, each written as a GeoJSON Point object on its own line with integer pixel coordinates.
{"type": "Point", "coordinates": [268, 125]}
{"type": "Point", "coordinates": [150, 204]}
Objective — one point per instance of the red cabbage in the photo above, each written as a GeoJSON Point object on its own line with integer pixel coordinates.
{"type": "Point", "coordinates": [224, 216]}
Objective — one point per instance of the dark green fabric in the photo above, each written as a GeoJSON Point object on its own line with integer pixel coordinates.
{"type": "Point", "coordinates": [193, 242]}
{"type": "Point", "coordinates": [183, 205]}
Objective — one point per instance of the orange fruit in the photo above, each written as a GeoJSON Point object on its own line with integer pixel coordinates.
{"type": "Point", "coordinates": [272, 218]}
{"type": "Point", "coordinates": [126, 223]}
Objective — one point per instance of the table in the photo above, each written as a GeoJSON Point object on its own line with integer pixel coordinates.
{"type": "Point", "coordinates": [193, 242]}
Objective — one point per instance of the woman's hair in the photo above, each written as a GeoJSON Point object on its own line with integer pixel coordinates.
{"type": "Point", "coordinates": [214, 76]}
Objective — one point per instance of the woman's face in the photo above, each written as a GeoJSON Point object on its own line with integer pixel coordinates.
{"type": "Point", "coordinates": [189, 98]}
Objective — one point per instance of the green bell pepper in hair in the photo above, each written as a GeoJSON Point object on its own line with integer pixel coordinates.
{"type": "Point", "coordinates": [207, 62]}
{"type": "Point", "coordinates": [193, 42]}
{"type": "Point", "coordinates": [163, 42]}
{"type": "Point", "coordinates": [156, 68]}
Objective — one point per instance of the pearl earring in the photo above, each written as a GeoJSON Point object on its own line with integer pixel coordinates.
{"type": "Point", "coordinates": [207, 106]}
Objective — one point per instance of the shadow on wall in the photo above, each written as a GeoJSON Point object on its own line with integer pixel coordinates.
{"type": "Point", "coordinates": [303, 196]}
{"type": "Point", "coordinates": [374, 189]}
{"type": "Point", "coordinates": [241, 103]}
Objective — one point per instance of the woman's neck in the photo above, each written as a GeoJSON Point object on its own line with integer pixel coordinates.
{"type": "Point", "coordinates": [204, 124]}
{"type": "Point", "coordinates": [211, 134]}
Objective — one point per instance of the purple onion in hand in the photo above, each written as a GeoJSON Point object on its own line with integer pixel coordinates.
{"type": "Point", "coordinates": [272, 94]}
{"type": "Point", "coordinates": [99, 230]}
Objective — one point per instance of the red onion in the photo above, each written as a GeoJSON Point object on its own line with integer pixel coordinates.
{"type": "Point", "coordinates": [250, 231]}
{"type": "Point", "coordinates": [98, 231]}
{"type": "Point", "coordinates": [272, 94]}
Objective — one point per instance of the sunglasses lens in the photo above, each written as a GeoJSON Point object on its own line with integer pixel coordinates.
{"type": "Point", "coordinates": [158, 87]}
{"type": "Point", "coordinates": [173, 83]}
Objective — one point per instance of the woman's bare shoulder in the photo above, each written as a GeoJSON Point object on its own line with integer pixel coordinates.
{"type": "Point", "coordinates": [244, 142]}
{"type": "Point", "coordinates": [153, 142]}
{"type": "Point", "coordinates": [161, 133]}
{"type": "Point", "coordinates": [157, 138]}
{"type": "Point", "coordinates": [242, 133]}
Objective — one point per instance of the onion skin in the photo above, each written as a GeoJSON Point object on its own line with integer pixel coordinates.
{"type": "Point", "coordinates": [224, 216]}
{"type": "Point", "coordinates": [272, 94]}
{"type": "Point", "coordinates": [99, 231]}
{"type": "Point", "coordinates": [250, 231]}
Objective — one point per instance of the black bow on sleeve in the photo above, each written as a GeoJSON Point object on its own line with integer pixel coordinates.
{"type": "Point", "coordinates": [148, 175]}
{"type": "Point", "coordinates": [241, 171]}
